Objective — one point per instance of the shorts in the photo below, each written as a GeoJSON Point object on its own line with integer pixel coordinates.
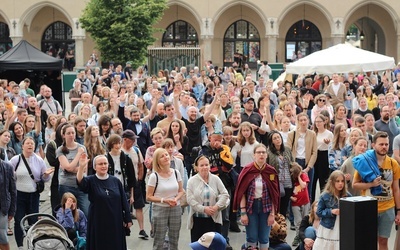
{"type": "Point", "coordinates": [3, 229]}
{"type": "Point", "coordinates": [138, 196]}
{"type": "Point", "coordinates": [385, 223]}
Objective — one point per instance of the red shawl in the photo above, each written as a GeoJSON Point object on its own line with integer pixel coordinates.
{"type": "Point", "coordinates": [248, 174]}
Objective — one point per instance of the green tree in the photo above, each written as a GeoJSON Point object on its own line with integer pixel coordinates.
{"type": "Point", "coordinates": [122, 29]}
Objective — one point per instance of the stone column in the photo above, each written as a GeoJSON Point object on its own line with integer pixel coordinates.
{"type": "Point", "coordinates": [16, 33]}
{"type": "Point", "coordinates": [206, 35]}
{"type": "Point", "coordinates": [206, 48]}
{"type": "Point", "coordinates": [398, 49]}
{"type": "Point", "coordinates": [79, 35]}
{"type": "Point", "coordinates": [271, 34]}
{"type": "Point", "coordinates": [79, 52]}
{"type": "Point", "coordinates": [272, 48]}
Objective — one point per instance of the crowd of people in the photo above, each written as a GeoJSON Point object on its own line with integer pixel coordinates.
{"type": "Point", "coordinates": [237, 151]}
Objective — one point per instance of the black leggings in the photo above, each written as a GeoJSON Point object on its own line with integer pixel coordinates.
{"type": "Point", "coordinates": [202, 226]}
{"type": "Point", "coordinates": [321, 172]}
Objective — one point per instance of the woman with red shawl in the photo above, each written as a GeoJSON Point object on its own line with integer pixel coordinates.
{"type": "Point", "coordinates": [257, 194]}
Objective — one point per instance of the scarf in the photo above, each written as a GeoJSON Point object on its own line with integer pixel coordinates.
{"type": "Point", "coordinates": [248, 174]}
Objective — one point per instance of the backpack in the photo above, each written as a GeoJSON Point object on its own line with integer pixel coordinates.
{"type": "Point", "coordinates": [56, 103]}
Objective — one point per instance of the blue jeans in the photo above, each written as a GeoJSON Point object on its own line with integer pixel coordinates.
{"type": "Point", "coordinates": [27, 203]}
{"type": "Point", "coordinates": [310, 233]}
{"type": "Point", "coordinates": [257, 230]}
{"type": "Point", "coordinates": [81, 197]}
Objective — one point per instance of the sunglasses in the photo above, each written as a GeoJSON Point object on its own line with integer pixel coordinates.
{"type": "Point", "coordinates": [321, 100]}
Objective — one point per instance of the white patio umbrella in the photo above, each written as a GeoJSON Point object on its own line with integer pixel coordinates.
{"type": "Point", "coordinates": [341, 58]}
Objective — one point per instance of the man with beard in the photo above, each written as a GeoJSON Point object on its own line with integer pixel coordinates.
{"type": "Point", "coordinates": [193, 125]}
{"type": "Point", "coordinates": [387, 124]}
{"type": "Point", "coordinates": [221, 163]}
{"type": "Point", "coordinates": [234, 121]}
{"type": "Point", "coordinates": [254, 118]}
{"type": "Point", "coordinates": [32, 103]}
{"type": "Point", "coordinates": [116, 126]}
{"type": "Point", "coordinates": [160, 115]}
{"type": "Point", "coordinates": [380, 179]}
{"type": "Point", "coordinates": [170, 112]}
{"type": "Point", "coordinates": [49, 104]}
{"type": "Point", "coordinates": [80, 127]}
{"type": "Point", "coordinates": [139, 127]}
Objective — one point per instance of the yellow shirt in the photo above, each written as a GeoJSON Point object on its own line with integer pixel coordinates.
{"type": "Point", "coordinates": [389, 172]}
{"type": "Point", "coordinates": [372, 102]}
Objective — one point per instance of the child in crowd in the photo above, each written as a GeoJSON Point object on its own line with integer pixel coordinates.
{"type": "Point", "coordinates": [328, 211]}
{"type": "Point", "coordinates": [71, 217]}
{"type": "Point", "coordinates": [300, 198]}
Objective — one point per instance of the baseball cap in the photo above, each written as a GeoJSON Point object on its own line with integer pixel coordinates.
{"type": "Point", "coordinates": [210, 240]}
{"type": "Point", "coordinates": [129, 134]}
{"type": "Point", "coordinates": [248, 99]}
{"type": "Point", "coordinates": [217, 132]}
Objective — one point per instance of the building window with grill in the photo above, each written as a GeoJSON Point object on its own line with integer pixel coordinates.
{"type": "Point", "coordinates": [241, 44]}
{"type": "Point", "coordinates": [57, 39]}
{"type": "Point", "coordinates": [5, 40]}
{"type": "Point", "coordinates": [180, 34]}
{"type": "Point", "coordinates": [302, 39]}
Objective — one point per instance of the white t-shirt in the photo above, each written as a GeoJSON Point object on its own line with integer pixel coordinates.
{"type": "Point", "coordinates": [117, 168]}
{"type": "Point", "coordinates": [335, 88]}
{"type": "Point", "coordinates": [301, 147]}
{"type": "Point", "coordinates": [258, 187]}
{"type": "Point", "coordinates": [321, 145]}
{"type": "Point", "coordinates": [247, 154]}
{"type": "Point", "coordinates": [135, 159]}
{"type": "Point", "coordinates": [167, 187]}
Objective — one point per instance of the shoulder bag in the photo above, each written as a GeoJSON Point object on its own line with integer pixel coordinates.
{"type": "Point", "coordinates": [39, 184]}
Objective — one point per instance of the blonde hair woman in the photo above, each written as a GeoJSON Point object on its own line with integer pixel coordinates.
{"type": "Point", "coordinates": [165, 190]}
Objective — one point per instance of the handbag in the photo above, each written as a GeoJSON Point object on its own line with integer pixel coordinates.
{"type": "Point", "coordinates": [183, 200]}
{"type": "Point", "coordinates": [39, 184]}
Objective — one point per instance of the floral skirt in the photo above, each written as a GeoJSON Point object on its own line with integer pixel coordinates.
{"type": "Point", "coordinates": [328, 239]}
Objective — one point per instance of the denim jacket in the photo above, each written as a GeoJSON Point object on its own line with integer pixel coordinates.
{"type": "Point", "coordinates": [326, 203]}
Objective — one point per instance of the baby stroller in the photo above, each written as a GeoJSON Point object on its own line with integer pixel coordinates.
{"type": "Point", "coordinates": [45, 234]}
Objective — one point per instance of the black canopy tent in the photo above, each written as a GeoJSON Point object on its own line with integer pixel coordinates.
{"type": "Point", "coordinates": [26, 61]}
{"type": "Point", "coordinates": [25, 56]}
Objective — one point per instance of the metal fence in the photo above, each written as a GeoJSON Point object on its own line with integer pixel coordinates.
{"type": "Point", "coordinates": [168, 58]}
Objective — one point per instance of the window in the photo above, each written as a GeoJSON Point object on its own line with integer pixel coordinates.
{"type": "Point", "coordinates": [57, 39]}
{"type": "Point", "coordinates": [180, 34]}
{"type": "Point", "coordinates": [302, 39]}
{"type": "Point", "coordinates": [5, 40]}
{"type": "Point", "coordinates": [241, 44]}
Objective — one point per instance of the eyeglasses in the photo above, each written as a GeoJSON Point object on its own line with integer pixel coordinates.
{"type": "Point", "coordinates": [261, 152]}
{"type": "Point", "coordinates": [321, 100]}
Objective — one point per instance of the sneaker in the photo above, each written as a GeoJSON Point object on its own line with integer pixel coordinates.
{"type": "Point", "coordinates": [296, 241]}
{"type": "Point", "coordinates": [143, 235]}
{"type": "Point", "coordinates": [292, 227]}
{"type": "Point", "coordinates": [151, 234]}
